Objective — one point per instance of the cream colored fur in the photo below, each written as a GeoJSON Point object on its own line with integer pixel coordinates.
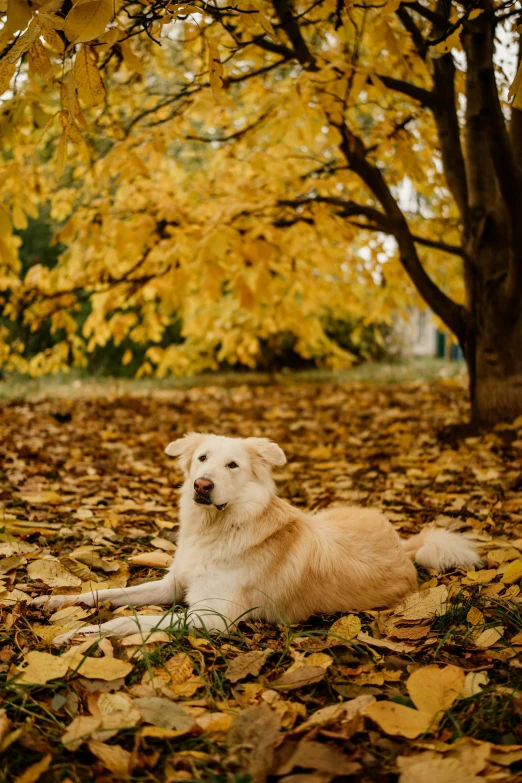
{"type": "Point", "coordinates": [259, 557]}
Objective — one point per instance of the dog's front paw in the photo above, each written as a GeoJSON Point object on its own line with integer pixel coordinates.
{"type": "Point", "coordinates": [52, 602]}
{"type": "Point", "coordinates": [64, 637]}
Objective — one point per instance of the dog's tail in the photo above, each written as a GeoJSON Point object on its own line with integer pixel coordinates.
{"type": "Point", "coordinates": [441, 549]}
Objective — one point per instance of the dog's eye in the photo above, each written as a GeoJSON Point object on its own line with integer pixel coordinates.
{"type": "Point", "coordinates": [232, 465]}
{"type": "Point", "coordinates": [202, 458]}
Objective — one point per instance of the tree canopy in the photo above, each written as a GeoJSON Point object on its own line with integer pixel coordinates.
{"type": "Point", "coordinates": [240, 167]}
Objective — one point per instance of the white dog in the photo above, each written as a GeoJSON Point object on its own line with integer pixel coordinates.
{"type": "Point", "coordinates": [244, 552]}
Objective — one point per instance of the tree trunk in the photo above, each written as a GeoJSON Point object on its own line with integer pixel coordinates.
{"type": "Point", "coordinates": [495, 370]}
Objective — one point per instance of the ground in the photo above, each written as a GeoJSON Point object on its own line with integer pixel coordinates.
{"type": "Point", "coordinates": [428, 692]}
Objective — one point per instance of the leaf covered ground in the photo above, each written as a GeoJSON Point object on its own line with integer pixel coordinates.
{"type": "Point", "coordinates": [427, 693]}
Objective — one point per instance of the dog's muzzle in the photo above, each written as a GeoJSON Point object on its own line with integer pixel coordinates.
{"type": "Point", "coordinates": [203, 493]}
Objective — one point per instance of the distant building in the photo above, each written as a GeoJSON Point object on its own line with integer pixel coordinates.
{"type": "Point", "coordinates": [418, 335]}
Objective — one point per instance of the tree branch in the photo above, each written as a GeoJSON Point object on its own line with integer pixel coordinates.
{"type": "Point", "coordinates": [420, 94]}
{"type": "Point", "coordinates": [441, 304]}
{"type": "Point", "coordinates": [291, 27]}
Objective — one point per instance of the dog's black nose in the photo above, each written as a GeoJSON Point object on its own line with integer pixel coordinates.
{"type": "Point", "coordinates": [203, 486]}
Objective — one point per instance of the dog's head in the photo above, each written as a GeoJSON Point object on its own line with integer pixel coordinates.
{"type": "Point", "coordinates": [221, 471]}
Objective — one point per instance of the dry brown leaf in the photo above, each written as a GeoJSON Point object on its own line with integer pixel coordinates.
{"type": "Point", "coordinates": [164, 714]}
{"type": "Point", "coordinates": [433, 689]}
{"type": "Point", "coordinates": [424, 605]}
{"type": "Point", "coordinates": [248, 663]}
{"type": "Point", "coordinates": [385, 643]}
{"type": "Point", "coordinates": [344, 629]}
{"type": "Point", "coordinates": [513, 572]}
{"type": "Point", "coordinates": [79, 730]}
{"type": "Point", "coordinates": [336, 713]}
{"type": "Point", "coordinates": [52, 573]}
{"type": "Point", "coordinates": [97, 668]}
{"type": "Point", "coordinates": [315, 755]}
{"type": "Point", "coordinates": [475, 616]}
{"type": "Point", "coordinates": [157, 559]}
{"type": "Point", "coordinates": [489, 637]}
{"type": "Point", "coordinates": [436, 770]}
{"type": "Point", "coordinates": [251, 742]}
{"type": "Point", "coordinates": [164, 544]}
{"type": "Point", "coordinates": [47, 497]}
{"type": "Point", "coordinates": [215, 722]}
{"type": "Point", "coordinates": [398, 720]}
{"type": "Point", "coordinates": [35, 771]}
{"type": "Point", "coordinates": [115, 758]}
{"type": "Point", "coordinates": [38, 668]}
{"type": "Point", "coordinates": [300, 677]}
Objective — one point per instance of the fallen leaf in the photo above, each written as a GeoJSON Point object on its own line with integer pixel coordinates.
{"type": "Point", "coordinates": [475, 616]}
{"type": "Point", "coordinates": [41, 667]}
{"type": "Point", "coordinates": [433, 689]}
{"type": "Point", "coordinates": [10, 563]}
{"type": "Point", "coordinates": [344, 629]}
{"type": "Point", "coordinates": [437, 770]}
{"type": "Point", "coordinates": [385, 643]}
{"type": "Point", "coordinates": [98, 668]}
{"type": "Point", "coordinates": [424, 605]}
{"type": "Point", "coordinates": [47, 497]}
{"type": "Point", "coordinates": [300, 677]}
{"type": "Point", "coordinates": [314, 755]}
{"type": "Point", "coordinates": [164, 714]}
{"type": "Point", "coordinates": [336, 713]}
{"type": "Point", "coordinates": [113, 757]}
{"type": "Point", "coordinates": [248, 663]}
{"type": "Point", "coordinates": [489, 637]}
{"type": "Point", "coordinates": [157, 559]}
{"type": "Point", "coordinates": [398, 720]}
{"type": "Point", "coordinates": [513, 572]}
{"type": "Point", "coordinates": [79, 730]}
{"type": "Point", "coordinates": [34, 772]}
{"type": "Point", "coordinates": [251, 742]}
{"type": "Point", "coordinates": [52, 573]}
{"type": "Point", "coordinates": [163, 543]}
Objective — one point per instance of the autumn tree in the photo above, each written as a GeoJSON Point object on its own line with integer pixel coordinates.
{"type": "Point", "coordinates": [249, 167]}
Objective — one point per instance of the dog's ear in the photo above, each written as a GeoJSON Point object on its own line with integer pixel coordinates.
{"type": "Point", "coordinates": [184, 448]}
{"type": "Point", "coordinates": [265, 449]}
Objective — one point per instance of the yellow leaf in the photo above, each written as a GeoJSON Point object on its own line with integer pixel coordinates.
{"type": "Point", "coordinates": [18, 15]}
{"type": "Point", "coordinates": [215, 69]}
{"type": "Point", "coordinates": [79, 730]}
{"type": "Point", "coordinates": [434, 690]}
{"type": "Point", "coordinates": [435, 770]}
{"type": "Point", "coordinates": [476, 12]}
{"type": "Point", "coordinates": [489, 637]}
{"type": "Point", "coordinates": [61, 155]}
{"type": "Point", "coordinates": [24, 42]}
{"type": "Point", "coordinates": [34, 772]}
{"type": "Point", "coordinates": [52, 573]}
{"type": "Point", "coordinates": [513, 572]}
{"type": "Point", "coordinates": [39, 667]}
{"type": "Point", "coordinates": [475, 616]}
{"type": "Point", "coordinates": [344, 629]}
{"type": "Point", "coordinates": [88, 19]}
{"type": "Point", "coordinates": [424, 605]}
{"type": "Point", "coordinates": [155, 559]}
{"type": "Point", "coordinates": [88, 78]}
{"type": "Point", "coordinates": [97, 668]}
{"type": "Point", "coordinates": [7, 71]}
{"type": "Point", "coordinates": [131, 61]}
{"type": "Point", "coordinates": [398, 720]}
{"type": "Point", "coordinates": [39, 61]}
{"type": "Point", "coordinates": [48, 496]}
{"type": "Point", "coordinates": [115, 758]}
{"type": "Point", "coordinates": [452, 42]}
